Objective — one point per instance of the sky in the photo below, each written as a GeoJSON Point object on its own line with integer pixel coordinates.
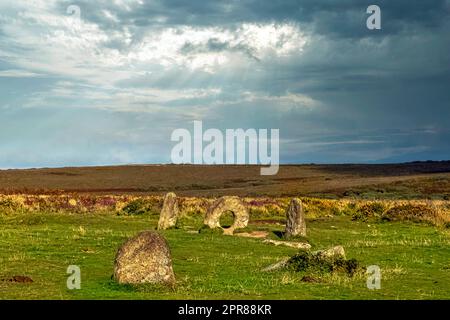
{"type": "Point", "coordinates": [107, 82]}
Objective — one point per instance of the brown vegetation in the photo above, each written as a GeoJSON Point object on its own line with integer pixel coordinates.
{"type": "Point", "coordinates": [409, 180]}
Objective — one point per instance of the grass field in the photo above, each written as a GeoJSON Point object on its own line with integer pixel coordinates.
{"type": "Point", "coordinates": [414, 258]}
{"type": "Point", "coordinates": [393, 216]}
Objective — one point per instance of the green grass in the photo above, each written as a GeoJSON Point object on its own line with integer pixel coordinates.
{"type": "Point", "coordinates": [414, 259]}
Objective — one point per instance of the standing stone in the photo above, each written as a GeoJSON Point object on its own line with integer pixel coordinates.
{"type": "Point", "coordinates": [295, 223]}
{"type": "Point", "coordinates": [144, 258]}
{"type": "Point", "coordinates": [222, 205]}
{"type": "Point", "coordinates": [169, 212]}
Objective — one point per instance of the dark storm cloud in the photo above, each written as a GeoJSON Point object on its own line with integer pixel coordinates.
{"type": "Point", "coordinates": [339, 18]}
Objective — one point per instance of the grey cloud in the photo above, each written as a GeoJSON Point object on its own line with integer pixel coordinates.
{"type": "Point", "coordinates": [381, 95]}
{"type": "Point", "coordinates": [215, 45]}
{"type": "Point", "coordinates": [345, 18]}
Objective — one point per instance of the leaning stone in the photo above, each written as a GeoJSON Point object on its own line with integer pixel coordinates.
{"type": "Point", "coordinates": [276, 266]}
{"type": "Point", "coordinates": [297, 245]}
{"type": "Point", "coordinates": [169, 212]}
{"type": "Point", "coordinates": [254, 234]}
{"type": "Point", "coordinates": [222, 205]}
{"type": "Point", "coordinates": [144, 258]}
{"type": "Point", "coordinates": [295, 219]}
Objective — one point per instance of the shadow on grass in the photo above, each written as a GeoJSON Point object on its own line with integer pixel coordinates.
{"type": "Point", "coordinates": [144, 288]}
{"type": "Point", "coordinates": [279, 234]}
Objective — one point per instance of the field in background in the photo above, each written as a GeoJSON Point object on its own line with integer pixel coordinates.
{"type": "Point", "coordinates": [406, 181]}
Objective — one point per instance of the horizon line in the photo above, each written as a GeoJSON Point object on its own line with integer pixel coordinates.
{"type": "Point", "coordinates": [223, 164]}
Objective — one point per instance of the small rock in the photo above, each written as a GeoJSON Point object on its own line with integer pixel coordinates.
{"type": "Point", "coordinates": [331, 253]}
{"type": "Point", "coordinates": [169, 212]}
{"type": "Point", "coordinates": [267, 221]}
{"type": "Point", "coordinates": [297, 245]}
{"type": "Point", "coordinates": [144, 258]}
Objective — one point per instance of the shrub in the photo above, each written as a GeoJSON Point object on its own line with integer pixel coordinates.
{"type": "Point", "coordinates": [350, 209]}
{"type": "Point", "coordinates": [415, 213]}
{"type": "Point", "coordinates": [10, 204]}
{"type": "Point", "coordinates": [368, 211]}
{"type": "Point", "coordinates": [136, 207]}
{"type": "Point", "coordinates": [307, 261]}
